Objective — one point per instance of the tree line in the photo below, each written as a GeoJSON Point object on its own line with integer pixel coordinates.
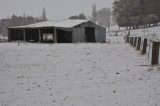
{"type": "Point", "coordinates": [101, 17]}
{"type": "Point", "coordinates": [80, 16]}
{"type": "Point", "coordinates": [136, 13]}
{"type": "Point", "coordinates": [20, 21]}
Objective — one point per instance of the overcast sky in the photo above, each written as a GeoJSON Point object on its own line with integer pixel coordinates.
{"type": "Point", "coordinates": [55, 9]}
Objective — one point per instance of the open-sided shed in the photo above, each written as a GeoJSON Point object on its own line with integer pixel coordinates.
{"type": "Point", "coordinates": [63, 31]}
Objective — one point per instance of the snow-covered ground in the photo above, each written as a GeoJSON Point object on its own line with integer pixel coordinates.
{"type": "Point", "coordinates": [150, 32]}
{"type": "Point", "coordinates": [146, 31]}
{"type": "Point", "coordinates": [77, 75]}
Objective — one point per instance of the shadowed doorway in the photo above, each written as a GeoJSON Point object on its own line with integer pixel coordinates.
{"type": "Point", "coordinates": [90, 34]}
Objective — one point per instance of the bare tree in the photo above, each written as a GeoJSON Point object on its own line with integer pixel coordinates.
{"type": "Point", "coordinates": [44, 17]}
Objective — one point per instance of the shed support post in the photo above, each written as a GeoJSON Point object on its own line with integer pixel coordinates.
{"type": "Point", "coordinates": [24, 34]}
{"type": "Point", "coordinates": [127, 39]}
{"type": "Point", "coordinates": [39, 34]}
{"type": "Point", "coordinates": [55, 35]}
{"type": "Point", "coordinates": [9, 35]}
{"type": "Point", "coordinates": [132, 41]}
{"type": "Point", "coordinates": [155, 53]}
{"type": "Point", "coordinates": [144, 48]}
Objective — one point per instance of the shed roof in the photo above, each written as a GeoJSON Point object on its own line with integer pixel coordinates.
{"type": "Point", "coordinates": [61, 24]}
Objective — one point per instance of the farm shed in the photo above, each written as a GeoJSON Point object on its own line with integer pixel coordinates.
{"type": "Point", "coordinates": [63, 31]}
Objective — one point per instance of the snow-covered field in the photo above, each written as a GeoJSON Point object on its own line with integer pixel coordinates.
{"type": "Point", "coordinates": [151, 31]}
{"type": "Point", "coordinates": [146, 31]}
{"type": "Point", "coordinates": [77, 75]}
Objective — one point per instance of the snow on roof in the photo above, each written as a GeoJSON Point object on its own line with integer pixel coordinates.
{"type": "Point", "coordinates": [61, 23]}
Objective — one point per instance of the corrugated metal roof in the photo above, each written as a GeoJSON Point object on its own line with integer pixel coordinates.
{"type": "Point", "coordinates": [61, 23]}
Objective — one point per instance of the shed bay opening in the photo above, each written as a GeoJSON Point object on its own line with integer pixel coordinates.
{"type": "Point", "coordinates": [64, 36]}
{"type": "Point", "coordinates": [90, 34]}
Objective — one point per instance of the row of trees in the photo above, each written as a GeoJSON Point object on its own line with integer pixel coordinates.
{"type": "Point", "coordinates": [80, 16]}
{"type": "Point", "coordinates": [102, 16]}
{"type": "Point", "coordinates": [136, 13]}
{"type": "Point", "coordinates": [20, 21]}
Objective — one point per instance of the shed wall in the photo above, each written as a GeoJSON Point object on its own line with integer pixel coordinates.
{"type": "Point", "coordinates": [78, 35]}
{"type": "Point", "coordinates": [100, 34]}
{"type": "Point", "coordinates": [79, 32]}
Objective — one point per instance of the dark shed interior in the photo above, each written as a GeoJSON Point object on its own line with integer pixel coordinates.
{"type": "Point", "coordinates": [64, 36]}
{"type": "Point", "coordinates": [90, 34]}
{"type": "Point", "coordinates": [46, 34]}
{"type": "Point", "coordinates": [17, 34]}
{"type": "Point", "coordinates": [31, 35]}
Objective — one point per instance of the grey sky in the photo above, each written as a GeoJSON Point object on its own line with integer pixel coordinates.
{"type": "Point", "coordinates": [56, 9]}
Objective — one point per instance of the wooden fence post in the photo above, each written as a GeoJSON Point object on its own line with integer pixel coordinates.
{"type": "Point", "coordinates": [155, 53]}
{"type": "Point", "coordinates": [144, 47]}
{"type": "Point", "coordinates": [139, 43]}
